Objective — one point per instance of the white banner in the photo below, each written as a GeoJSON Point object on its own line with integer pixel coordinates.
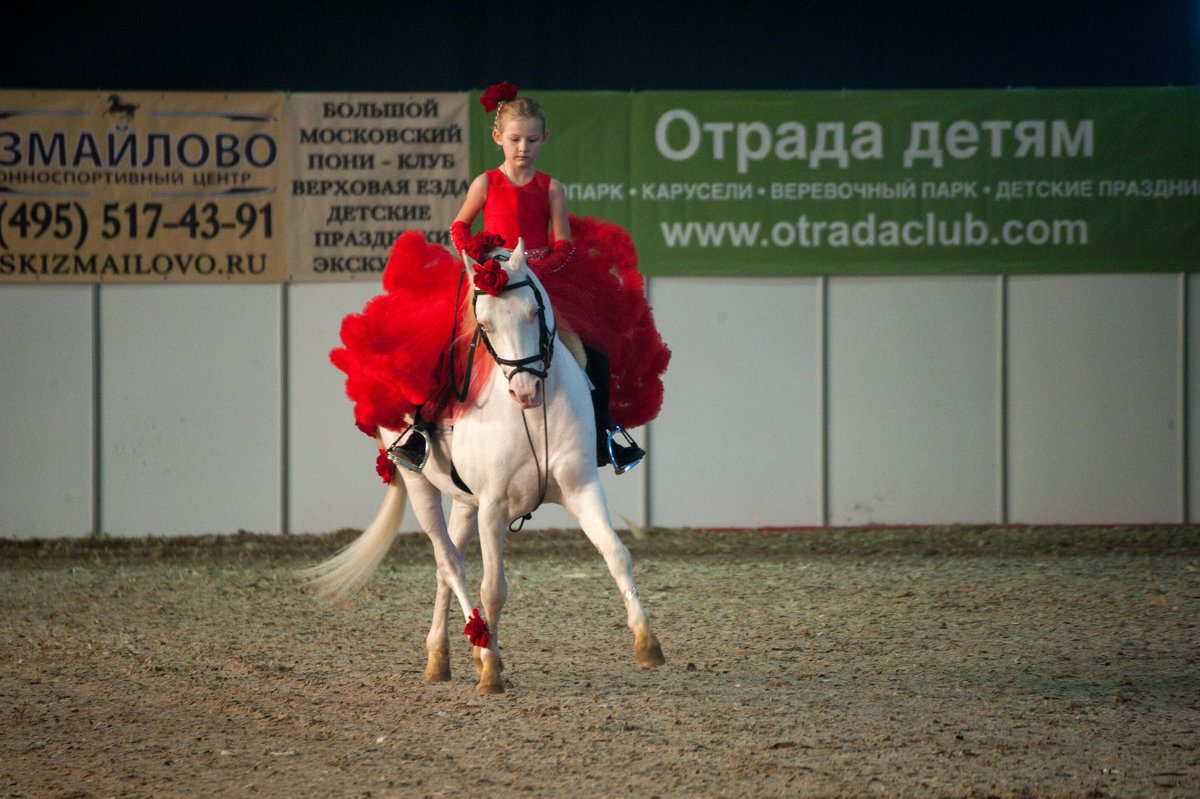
{"type": "Point", "coordinates": [364, 168]}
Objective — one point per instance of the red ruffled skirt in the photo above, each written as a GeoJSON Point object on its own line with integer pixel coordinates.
{"type": "Point", "coordinates": [396, 353]}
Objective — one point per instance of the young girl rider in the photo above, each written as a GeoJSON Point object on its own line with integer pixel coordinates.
{"type": "Point", "coordinates": [588, 267]}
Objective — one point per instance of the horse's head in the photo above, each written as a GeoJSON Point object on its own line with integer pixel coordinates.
{"type": "Point", "coordinates": [514, 320]}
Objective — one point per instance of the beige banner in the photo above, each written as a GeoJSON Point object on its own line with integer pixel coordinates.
{"type": "Point", "coordinates": [364, 168]}
{"type": "Point", "coordinates": [140, 187]}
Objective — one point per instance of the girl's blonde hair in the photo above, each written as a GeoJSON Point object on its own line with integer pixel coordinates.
{"type": "Point", "coordinates": [518, 108]}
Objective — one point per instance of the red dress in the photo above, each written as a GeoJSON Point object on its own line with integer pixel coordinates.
{"type": "Point", "coordinates": [523, 211]}
{"type": "Point", "coordinates": [396, 352]}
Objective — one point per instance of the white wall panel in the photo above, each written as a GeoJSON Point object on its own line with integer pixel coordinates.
{"type": "Point", "coordinates": [191, 392]}
{"type": "Point", "coordinates": [1094, 399]}
{"type": "Point", "coordinates": [738, 440]}
{"type": "Point", "coordinates": [1192, 287]}
{"type": "Point", "coordinates": [190, 404]}
{"type": "Point", "coordinates": [46, 395]}
{"type": "Point", "coordinates": [331, 464]}
{"type": "Point", "coordinates": [913, 400]}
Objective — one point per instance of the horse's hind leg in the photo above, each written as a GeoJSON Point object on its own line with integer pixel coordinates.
{"type": "Point", "coordinates": [437, 643]}
{"type": "Point", "coordinates": [426, 503]}
{"type": "Point", "coordinates": [588, 507]}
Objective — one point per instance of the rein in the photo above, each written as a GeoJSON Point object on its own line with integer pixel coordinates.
{"type": "Point", "coordinates": [545, 355]}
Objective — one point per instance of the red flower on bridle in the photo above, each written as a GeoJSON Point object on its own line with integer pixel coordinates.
{"type": "Point", "coordinates": [490, 277]}
{"type": "Point", "coordinates": [481, 244]}
{"type": "Point", "coordinates": [494, 95]}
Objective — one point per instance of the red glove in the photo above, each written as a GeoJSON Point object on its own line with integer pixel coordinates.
{"type": "Point", "coordinates": [555, 260]}
{"type": "Point", "coordinates": [460, 234]}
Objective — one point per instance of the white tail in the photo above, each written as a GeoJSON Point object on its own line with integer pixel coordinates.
{"type": "Point", "coordinates": [349, 570]}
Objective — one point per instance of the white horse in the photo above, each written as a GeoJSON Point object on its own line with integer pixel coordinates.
{"type": "Point", "coordinates": [528, 438]}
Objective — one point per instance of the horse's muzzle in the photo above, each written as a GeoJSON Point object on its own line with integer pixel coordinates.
{"type": "Point", "coordinates": [526, 390]}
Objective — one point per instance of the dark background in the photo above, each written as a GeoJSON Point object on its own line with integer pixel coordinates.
{"type": "Point", "coordinates": [439, 46]}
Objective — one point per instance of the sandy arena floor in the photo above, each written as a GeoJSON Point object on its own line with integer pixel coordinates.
{"type": "Point", "coordinates": [927, 662]}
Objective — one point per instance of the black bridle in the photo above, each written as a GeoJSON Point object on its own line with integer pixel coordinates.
{"type": "Point", "coordinates": [545, 342]}
{"type": "Point", "coordinates": [545, 337]}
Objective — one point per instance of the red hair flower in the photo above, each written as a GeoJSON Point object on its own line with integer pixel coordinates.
{"type": "Point", "coordinates": [481, 244]}
{"type": "Point", "coordinates": [494, 95]}
{"type": "Point", "coordinates": [383, 467]}
{"type": "Point", "coordinates": [476, 629]}
{"type": "Point", "coordinates": [490, 277]}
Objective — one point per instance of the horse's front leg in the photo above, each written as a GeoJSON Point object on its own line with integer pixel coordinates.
{"type": "Point", "coordinates": [463, 520]}
{"type": "Point", "coordinates": [588, 507]}
{"type": "Point", "coordinates": [493, 525]}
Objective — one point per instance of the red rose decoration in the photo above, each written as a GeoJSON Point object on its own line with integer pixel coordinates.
{"type": "Point", "coordinates": [476, 629]}
{"type": "Point", "coordinates": [383, 467]}
{"type": "Point", "coordinates": [490, 277]}
{"type": "Point", "coordinates": [494, 95]}
{"type": "Point", "coordinates": [481, 244]}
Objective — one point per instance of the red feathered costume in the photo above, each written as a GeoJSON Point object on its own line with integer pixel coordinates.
{"type": "Point", "coordinates": [396, 352]}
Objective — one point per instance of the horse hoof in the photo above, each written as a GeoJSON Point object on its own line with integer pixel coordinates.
{"type": "Point", "coordinates": [437, 667]}
{"type": "Point", "coordinates": [433, 674]}
{"type": "Point", "coordinates": [647, 652]}
{"type": "Point", "coordinates": [488, 688]}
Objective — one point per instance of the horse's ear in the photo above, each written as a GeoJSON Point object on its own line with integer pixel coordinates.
{"type": "Point", "coordinates": [468, 261]}
{"type": "Point", "coordinates": [518, 253]}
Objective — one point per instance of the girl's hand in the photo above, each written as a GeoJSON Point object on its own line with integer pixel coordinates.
{"type": "Point", "coordinates": [555, 260]}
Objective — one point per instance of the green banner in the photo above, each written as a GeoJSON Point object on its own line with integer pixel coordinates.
{"type": "Point", "coordinates": [909, 182]}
